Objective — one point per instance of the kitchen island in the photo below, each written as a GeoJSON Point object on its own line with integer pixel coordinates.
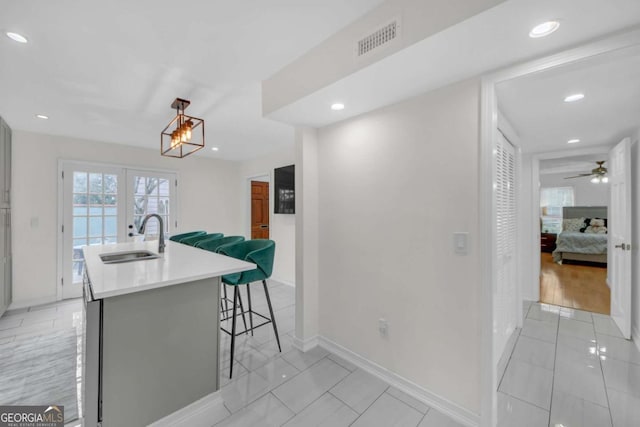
{"type": "Point", "coordinates": [151, 332]}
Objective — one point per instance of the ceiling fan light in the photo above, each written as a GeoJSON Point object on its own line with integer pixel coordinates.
{"type": "Point", "coordinates": [595, 180]}
{"type": "Point", "coordinates": [605, 179]}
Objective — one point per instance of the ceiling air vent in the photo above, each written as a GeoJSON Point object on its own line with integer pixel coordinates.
{"type": "Point", "coordinates": [378, 38]}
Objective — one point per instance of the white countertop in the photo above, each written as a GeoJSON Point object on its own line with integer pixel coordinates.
{"type": "Point", "coordinates": [179, 264]}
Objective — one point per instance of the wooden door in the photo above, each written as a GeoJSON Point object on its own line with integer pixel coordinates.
{"type": "Point", "coordinates": [259, 210]}
{"type": "Point", "coordinates": [619, 263]}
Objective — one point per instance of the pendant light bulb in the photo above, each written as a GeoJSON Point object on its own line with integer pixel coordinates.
{"type": "Point", "coordinates": [188, 126]}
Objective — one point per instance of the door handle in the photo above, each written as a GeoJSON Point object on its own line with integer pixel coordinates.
{"type": "Point", "coordinates": [621, 246]}
{"type": "Point", "coordinates": [264, 226]}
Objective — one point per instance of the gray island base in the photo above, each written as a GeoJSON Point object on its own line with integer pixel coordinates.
{"type": "Point", "coordinates": [151, 352]}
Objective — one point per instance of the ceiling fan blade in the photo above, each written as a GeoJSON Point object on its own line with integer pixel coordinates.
{"type": "Point", "coordinates": [579, 176]}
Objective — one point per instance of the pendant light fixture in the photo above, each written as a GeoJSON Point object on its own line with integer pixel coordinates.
{"type": "Point", "coordinates": [184, 134]}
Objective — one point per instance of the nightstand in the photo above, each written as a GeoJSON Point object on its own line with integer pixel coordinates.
{"type": "Point", "coordinates": [548, 242]}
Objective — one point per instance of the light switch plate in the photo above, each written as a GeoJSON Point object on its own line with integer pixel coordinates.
{"type": "Point", "coordinates": [461, 242]}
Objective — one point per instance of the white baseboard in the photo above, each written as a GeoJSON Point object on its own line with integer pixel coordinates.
{"type": "Point", "coordinates": [635, 336]}
{"type": "Point", "coordinates": [201, 413]}
{"type": "Point", "coordinates": [283, 282]}
{"type": "Point", "coordinates": [441, 404]}
{"type": "Point", "coordinates": [305, 345]}
{"type": "Point", "coordinates": [31, 302]}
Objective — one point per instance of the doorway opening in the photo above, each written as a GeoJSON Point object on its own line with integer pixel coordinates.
{"type": "Point", "coordinates": [259, 214]}
{"type": "Point", "coordinates": [573, 234]}
{"type": "Point", "coordinates": [543, 129]}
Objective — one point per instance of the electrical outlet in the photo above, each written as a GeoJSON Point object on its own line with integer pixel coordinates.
{"type": "Point", "coordinates": [383, 327]}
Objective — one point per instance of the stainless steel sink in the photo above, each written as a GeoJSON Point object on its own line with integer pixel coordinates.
{"type": "Point", "coordinates": [127, 256]}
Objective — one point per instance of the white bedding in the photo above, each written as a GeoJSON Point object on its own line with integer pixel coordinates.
{"type": "Point", "coordinates": [582, 243]}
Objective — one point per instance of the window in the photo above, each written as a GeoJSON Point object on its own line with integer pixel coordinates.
{"type": "Point", "coordinates": [552, 200]}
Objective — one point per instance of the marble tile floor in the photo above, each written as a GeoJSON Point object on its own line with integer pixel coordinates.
{"type": "Point", "coordinates": [270, 388]}
{"type": "Point", "coordinates": [570, 368]}
{"type": "Point", "coordinates": [43, 322]}
{"type": "Point", "coordinates": [315, 388]}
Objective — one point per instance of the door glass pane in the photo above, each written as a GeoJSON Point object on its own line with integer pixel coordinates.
{"type": "Point", "coordinates": [151, 194]}
{"type": "Point", "coordinates": [95, 226]}
{"type": "Point", "coordinates": [95, 214]}
{"type": "Point", "coordinates": [79, 182]}
{"type": "Point", "coordinates": [163, 187]}
{"type": "Point", "coordinates": [95, 183]}
{"type": "Point", "coordinates": [110, 225]}
{"type": "Point", "coordinates": [110, 184]}
{"type": "Point", "coordinates": [79, 226]}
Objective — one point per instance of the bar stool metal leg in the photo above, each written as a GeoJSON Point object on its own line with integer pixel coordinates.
{"type": "Point", "coordinates": [226, 299]}
{"type": "Point", "coordinates": [244, 318]}
{"type": "Point", "coordinates": [250, 312]}
{"type": "Point", "coordinates": [273, 318]}
{"type": "Point", "coordinates": [233, 330]}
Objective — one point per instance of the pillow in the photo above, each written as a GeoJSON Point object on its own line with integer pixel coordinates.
{"type": "Point", "coordinates": [572, 224]}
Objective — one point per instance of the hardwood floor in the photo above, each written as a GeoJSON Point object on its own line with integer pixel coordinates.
{"type": "Point", "coordinates": [582, 287]}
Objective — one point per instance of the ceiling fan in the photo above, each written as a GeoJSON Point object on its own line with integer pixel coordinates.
{"type": "Point", "coordinates": [597, 175]}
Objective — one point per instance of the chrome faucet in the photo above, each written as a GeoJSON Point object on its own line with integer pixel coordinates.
{"type": "Point", "coordinates": [161, 223]}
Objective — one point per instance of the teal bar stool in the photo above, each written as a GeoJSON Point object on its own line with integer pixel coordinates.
{"type": "Point", "coordinates": [194, 240]}
{"type": "Point", "coordinates": [260, 252]}
{"type": "Point", "coordinates": [213, 245]}
{"type": "Point", "coordinates": [179, 237]}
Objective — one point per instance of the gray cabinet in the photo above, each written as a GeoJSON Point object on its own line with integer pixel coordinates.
{"type": "Point", "coordinates": [5, 216]}
{"type": "Point", "coordinates": [5, 259]}
{"type": "Point", "coordinates": [5, 163]}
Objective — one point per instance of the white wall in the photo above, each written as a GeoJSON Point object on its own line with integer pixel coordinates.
{"type": "Point", "coordinates": [394, 186]}
{"type": "Point", "coordinates": [635, 244]}
{"type": "Point", "coordinates": [586, 193]}
{"type": "Point", "coordinates": [528, 275]}
{"type": "Point", "coordinates": [206, 200]}
{"type": "Point", "coordinates": [307, 238]}
{"type": "Point", "coordinates": [282, 228]}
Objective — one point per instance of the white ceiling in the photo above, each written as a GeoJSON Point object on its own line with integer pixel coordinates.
{"type": "Point", "coordinates": [573, 164]}
{"type": "Point", "coordinates": [490, 40]}
{"type": "Point", "coordinates": [109, 70]}
{"type": "Point", "coordinates": [610, 111]}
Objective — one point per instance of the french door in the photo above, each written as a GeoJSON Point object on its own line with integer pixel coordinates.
{"type": "Point", "coordinates": [150, 192]}
{"type": "Point", "coordinates": [105, 204]}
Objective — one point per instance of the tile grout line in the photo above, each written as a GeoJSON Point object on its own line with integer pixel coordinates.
{"type": "Point", "coordinates": [363, 412]}
{"type": "Point", "coordinates": [318, 398]}
{"type": "Point", "coordinates": [295, 414]}
{"type": "Point", "coordinates": [604, 380]}
{"type": "Point", "coordinates": [514, 347]}
{"type": "Point", "coordinates": [555, 363]}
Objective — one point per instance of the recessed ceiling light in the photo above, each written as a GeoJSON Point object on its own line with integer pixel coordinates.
{"type": "Point", "coordinates": [337, 106]}
{"type": "Point", "coordinates": [544, 29]}
{"type": "Point", "coordinates": [573, 141]}
{"type": "Point", "coordinates": [214, 148]}
{"type": "Point", "coordinates": [574, 97]}
{"type": "Point", "coordinates": [16, 37]}
{"type": "Point", "coordinates": [42, 116]}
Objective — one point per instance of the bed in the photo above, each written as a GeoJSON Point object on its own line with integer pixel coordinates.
{"type": "Point", "coordinates": [575, 245]}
